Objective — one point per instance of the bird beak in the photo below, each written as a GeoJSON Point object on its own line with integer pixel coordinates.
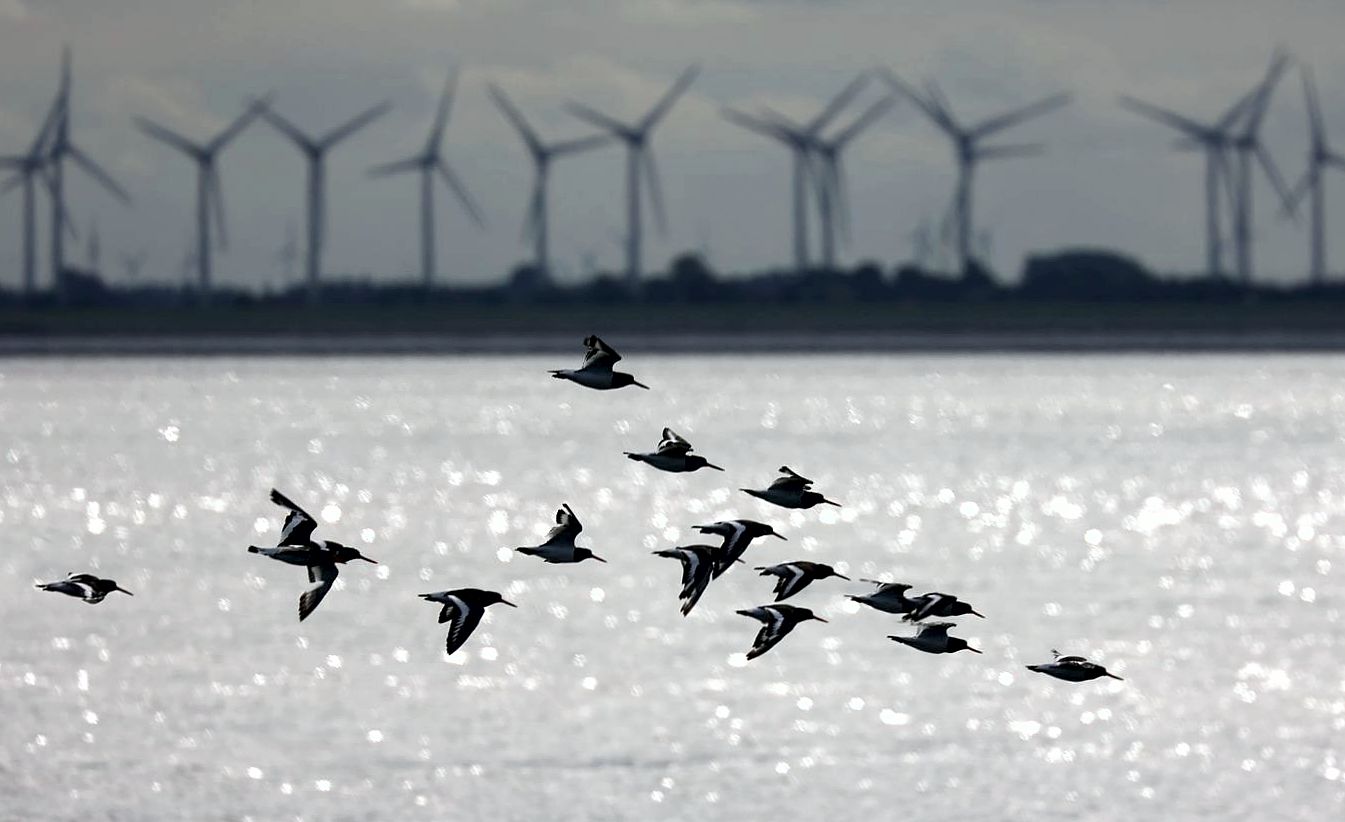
{"type": "Point", "coordinates": [978, 613]}
{"type": "Point", "coordinates": [641, 385]}
{"type": "Point", "coordinates": [780, 536]}
{"type": "Point", "coordinates": [973, 650]}
{"type": "Point", "coordinates": [366, 559]}
{"type": "Point", "coordinates": [826, 501]}
{"type": "Point", "coordinates": [124, 591]}
{"type": "Point", "coordinates": [712, 465]}
{"type": "Point", "coordinates": [599, 559]}
{"type": "Point", "coordinates": [1114, 676]}
{"type": "Point", "coordinates": [507, 602]}
{"type": "Point", "coordinates": [820, 619]}
{"type": "Point", "coordinates": [842, 576]}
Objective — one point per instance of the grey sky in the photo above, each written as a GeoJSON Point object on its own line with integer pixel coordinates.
{"type": "Point", "coordinates": [1110, 178]}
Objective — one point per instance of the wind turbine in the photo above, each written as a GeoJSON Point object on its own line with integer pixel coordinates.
{"type": "Point", "coordinates": [59, 148]}
{"type": "Point", "coordinates": [969, 151]}
{"type": "Point", "coordinates": [1320, 158]}
{"type": "Point", "coordinates": [1215, 139]}
{"type": "Point", "coordinates": [209, 198]}
{"type": "Point", "coordinates": [26, 168]}
{"type": "Point", "coordinates": [535, 224]}
{"type": "Point", "coordinates": [801, 139]}
{"type": "Point", "coordinates": [427, 162]}
{"type": "Point", "coordinates": [640, 164]}
{"type": "Point", "coordinates": [1248, 147]}
{"type": "Point", "coordinates": [315, 151]}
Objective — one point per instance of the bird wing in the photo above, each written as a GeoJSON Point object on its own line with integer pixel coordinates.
{"type": "Point", "coordinates": [299, 524]}
{"type": "Point", "coordinates": [462, 619]}
{"type": "Point", "coordinates": [795, 580]}
{"type": "Point", "coordinates": [791, 481]}
{"type": "Point", "coordinates": [673, 444]}
{"type": "Point", "coordinates": [699, 570]}
{"type": "Point", "coordinates": [598, 355]}
{"type": "Point", "coordinates": [322, 577]}
{"type": "Point", "coordinates": [566, 529]}
{"type": "Point", "coordinates": [931, 605]}
{"type": "Point", "coordinates": [770, 634]}
{"type": "Point", "coordinates": [1071, 660]}
{"type": "Point", "coordinates": [935, 629]}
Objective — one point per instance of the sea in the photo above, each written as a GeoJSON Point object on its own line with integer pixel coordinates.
{"type": "Point", "coordinates": [1177, 518]}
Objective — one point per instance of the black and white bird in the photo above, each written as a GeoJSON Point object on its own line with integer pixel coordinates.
{"type": "Point", "coordinates": [596, 372]}
{"type": "Point", "coordinates": [791, 491]}
{"type": "Point", "coordinates": [87, 587]}
{"type": "Point", "coordinates": [795, 576]}
{"type": "Point", "coordinates": [1072, 669]}
{"type": "Point", "coordinates": [673, 454]}
{"type": "Point", "coordinates": [297, 547]}
{"type": "Point", "coordinates": [559, 547]}
{"type": "Point", "coordinates": [778, 621]}
{"type": "Point", "coordinates": [698, 564]}
{"type": "Point", "coordinates": [936, 604]}
{"type": "Point", "coordinates": [932, 638]}
{"type": "Point", "coordinates": [737, 534]}
{"type": "Point", "coordinates": [890, 597]}
{"type": "Point", "coordinates": [463, 609]}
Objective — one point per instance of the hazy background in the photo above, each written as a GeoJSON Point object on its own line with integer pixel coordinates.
{"type": "Point", "coordinates": [1110, 177]}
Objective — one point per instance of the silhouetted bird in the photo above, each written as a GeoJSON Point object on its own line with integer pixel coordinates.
{"type": "Point", "coordinates": [890, 597]}
{"type": "Point", "coordinates": [737, 534]}
{"type": "Point", "coordinates": [795, 576]}
{"type": "Point", "coordinates": [698, 563]}
{"type": "Point", "coordinates": [791, 491]}
{"type": "Point", "coordinates": [87, 587]}
{"type": "Point", "coordinates": [935, 604]}
{"type": "Point", "coordinates": [1072, 669]}
{"type": "Point", "coordinates": [779, 620]}
{"type": "Point", "coordinates": [559, 545]}
{"type": "Point", "coordinates": [596, 372]}
{"type": "Point", "coordinates": [673, 454]}
{"type": "Point", "coordinates": [462, 609]}
{"type": "Point", "coordinates": [297, 547]}
{"type": "Point", "coordinates": [932, 638]}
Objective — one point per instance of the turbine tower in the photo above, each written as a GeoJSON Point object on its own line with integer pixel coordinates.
{"type": "Point", "coordinates": [640, 164]}
{"type": "Point", "coordinates": [536, 226]}
{"type": "Point", "coordinates": [1320, 157]}
{"type": "Point", "coordinates": [59, 148]}
{"type": "Point", "coordinates": [969, 151]}
{"type": "Point", "coordinates": [832, 188]}
{"type": "Point", "coordinates": [1215, 139]}
{"type": "Point", "coordinates": [1248, 148]}
{"type": "Point", "coordinates": [427, 162]}
{"type": "Point", "coordinates": [315, 151]}
{"type": "Point", "coordinates": [209, 198]}
{"type": "Point", "coordinates": [802, 139]}
{"type": "Point", "coordinates": [26, 169]}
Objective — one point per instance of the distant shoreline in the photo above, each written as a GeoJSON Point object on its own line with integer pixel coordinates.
{"type": "Point", "coordinates": [1073, 342]}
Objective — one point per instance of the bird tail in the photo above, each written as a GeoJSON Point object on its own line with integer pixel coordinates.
{"type": "Point", "coordinates": [630, 455]}
{"type": "Point", "coordinates": [557, 374]}
{"type": "Point", "coordinates": [532, 552]}
{"type": "Point", "coordinates": [252, 549]}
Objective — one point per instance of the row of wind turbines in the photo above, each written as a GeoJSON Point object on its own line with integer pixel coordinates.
{"type": "Point", "coordinates": [1232, 146]}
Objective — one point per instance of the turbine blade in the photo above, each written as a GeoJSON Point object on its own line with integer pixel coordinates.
{"type": "Point", "coordinates": [660, 109]}
{"type": "Point", "coordinates": [215, 194]}
{"type": "Point", "coordinates": [598, 119]}
{"type": "Point", "coordinates": [287, 128]}
{"type": "Point", "coordinates": [441, 115]}
{"type": "Point", "coordinates": [940, 102]}
{"type": "Point", "coordinates": [1317, 128]}
{"type": "Point", "coordinates": [515, 117]}
{"type": "Point", "coordinates": [461, 192]}
{"type": "Point", "coordinates": [758, 125]}
{"type": "Point", "coordinates": [1003, 152]}
{"type": "Point", "coordinates": [96, 171]}
{"type": "Point", "coordinates": [901, 87]}
{"type": "Point", "coordinates": [655, 190]}
{"type": "Point", "coordinates": [1300, 190]}
{"type": "Point", "coordinates": [1278, 62]}
{"type": "Point", "coordinates": [840, 101]}
{"type": "Point", "coordinates": [1013, 118]}
{"type": "Point", "coordinates": [62, 214]}
{"type": "Point", "coordinates": [532, 220]}
{"type": "Point", "coordinates": [1273, 172]}
{"type": "Point", "coordinates": [397, 166]}
{"type": "Point", "coordinates": [868, 118]}
{"type": "Point", "coordinates": [576, 146]}
{"type": "Point", "coordinates": [840, 196]}
{"type": "Point", "coordinates": [253, 110]}
{"type": "Point", "coordinates": [11, 184]}
{"type": "Point", "coordinates": [1168, 118]}
{"type": "Point", "coordinates": [354, 124]}
{"type": "Point", "coordinates": [172, 138]}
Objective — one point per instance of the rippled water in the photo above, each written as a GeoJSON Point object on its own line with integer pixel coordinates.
{"type": "Point", "coordinates": [1177, 518]}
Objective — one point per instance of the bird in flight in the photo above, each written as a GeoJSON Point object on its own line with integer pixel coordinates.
{"type": "Point", "coordinates": [463, 609]}
{"type": "Point", "coordinates": [932, 638]}
{"type": "Point", "coordinates": [793, 490]}
{"type": "Point", "coordinates": [87, 587]}
{"type": "Point", "coordinates": [795, 576]}
{"type": "Point", "coordinates": [673, 454]}
{"type": "Point", "coordinates": [737, 534]}
{"type": "Point", "coordinates": [698, 564]}
{"type": "Point", "coordinates": [1072, 669]}
{"type": "Point", "coordinates": [596, 372]}
{"type": "Point", "coordinates": [778, 621]}
{"type": "Point", "coordinates": [559, 547]}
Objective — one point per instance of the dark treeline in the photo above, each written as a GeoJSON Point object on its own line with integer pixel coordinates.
{"type": "Point", "coordinates": [1085, 275]}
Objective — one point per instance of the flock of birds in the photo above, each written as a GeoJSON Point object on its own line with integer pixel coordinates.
{"type": "Point", "coordinates": [463, 608]}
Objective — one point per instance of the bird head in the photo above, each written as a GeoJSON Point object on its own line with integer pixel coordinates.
{"type": "Point", "coordinates": [620, 379]}
{"type": "Point", "coordinates": [494, 597]}
{"type": "Point", "coordinates": [582, 554]}
{"type": "Point", "coordinates": [345, 553]}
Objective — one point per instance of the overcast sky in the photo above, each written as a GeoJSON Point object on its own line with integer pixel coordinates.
{"type": "Point", "coordinates": [1108, 179]}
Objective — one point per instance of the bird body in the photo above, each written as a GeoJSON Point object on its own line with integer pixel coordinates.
{"type": "Point", "coordinates": [297, 547]}
{"type": "Point", "coordinates": [559, 547]}
{"type": "Point", "coordinates": [890, 597]}
{"type": "Point", "coordinates": [778, 621]}
{"type": "Point", "coordinates": [791, 491]}
{"type": "Point", "coordinates": [673, 455]}
{"type": "Point", "coordinates": [596, 372]}
{"type": "Point", "coordinates": [932, 638]}
{"type": "Point", "coordinates": [936, 604]}
{"type": "Point", "coordinates": [795, 576]}
{"type": "Point", "coordinates": [1072, 669]}
{"type": "Point", "coordinates": [737, 534]}
{"type": "Point", "coordinates": [90, 588]}
{"type": "Point", "coordinates": [463, 609]}
{"type": "Point", "coordinates": [698, 564]}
